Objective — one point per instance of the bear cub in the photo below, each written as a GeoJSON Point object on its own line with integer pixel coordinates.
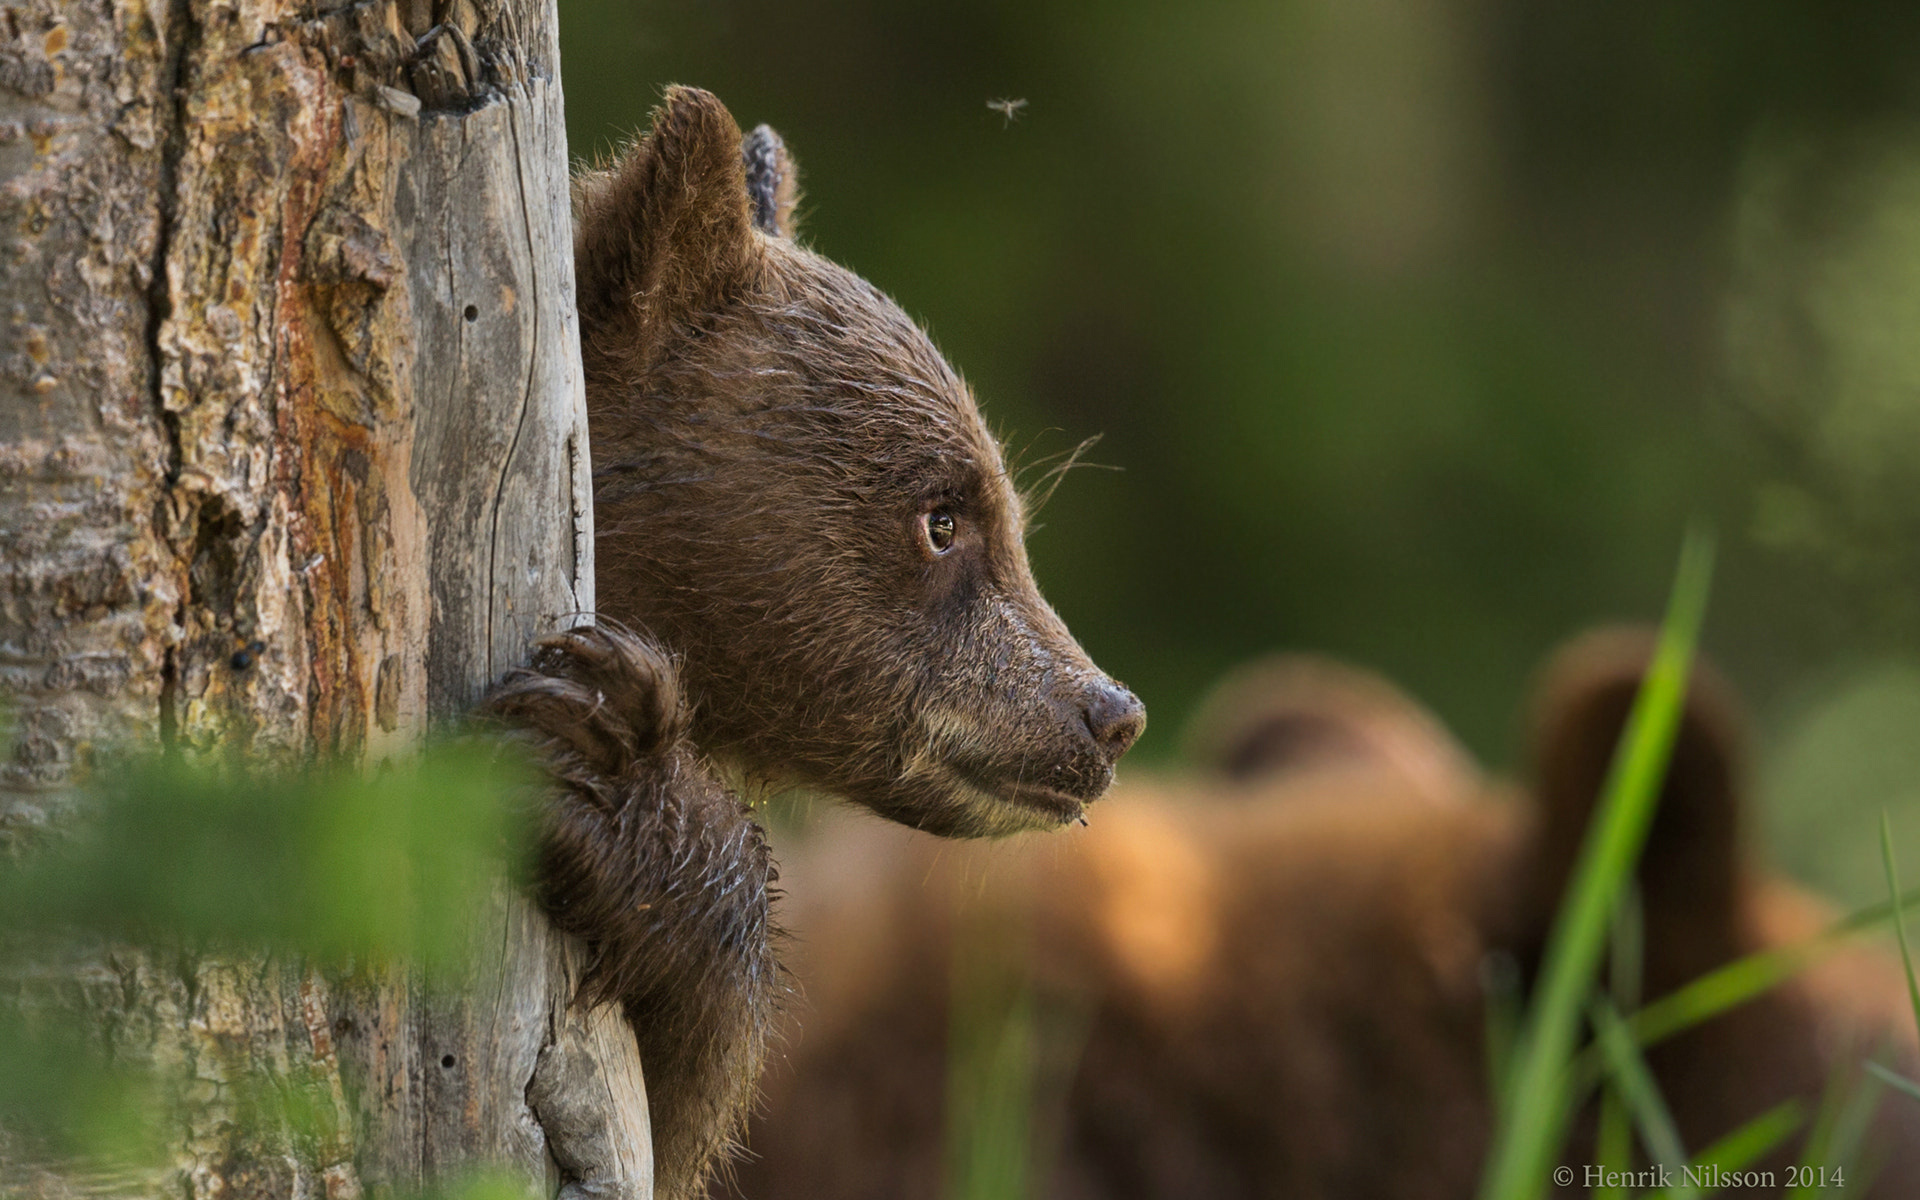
{"type": "Point", "coordinates": [811, 572]}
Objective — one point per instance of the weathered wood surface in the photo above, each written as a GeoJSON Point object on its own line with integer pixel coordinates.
{"type": "Point", "coordinates": [294, 458]}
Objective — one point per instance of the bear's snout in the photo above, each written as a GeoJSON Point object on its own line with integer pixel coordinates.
{"type": "Point", "coordinates": [1113, 717]}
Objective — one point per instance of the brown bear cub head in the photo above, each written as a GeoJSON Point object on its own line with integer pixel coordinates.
{"type": "Point", "coordinates": [796, 492]}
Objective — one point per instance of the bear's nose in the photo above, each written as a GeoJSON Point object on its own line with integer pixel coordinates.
{"type": "Point", "coordinates": [1114, 717]}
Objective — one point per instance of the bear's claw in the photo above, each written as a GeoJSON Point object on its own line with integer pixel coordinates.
{"type": "Point", "coordinates": [597, 699]}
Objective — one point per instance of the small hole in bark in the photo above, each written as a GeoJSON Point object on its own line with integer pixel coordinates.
{"type": "Point", "coordinates": [447, 1061]}
{"type": "Point", "coordinates": [473, 312]}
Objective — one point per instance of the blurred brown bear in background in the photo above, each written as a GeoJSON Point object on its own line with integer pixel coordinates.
{"type": "Point", "coordinates": [1275, 982]}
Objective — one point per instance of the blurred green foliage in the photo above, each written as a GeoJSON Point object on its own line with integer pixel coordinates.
{"type": "Point", "coordinates": [1418, 327]}
{"type": "Point", "coordinates": [332, 864]}
{"type": "Point", "coordinates": [170, 862]}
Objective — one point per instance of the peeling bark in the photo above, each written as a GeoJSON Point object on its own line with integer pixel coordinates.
{"type": "Point", "coordinates": [294, 461]}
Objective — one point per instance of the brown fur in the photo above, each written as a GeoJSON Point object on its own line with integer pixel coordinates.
{"type": "Point", "coordinates": [1281, 982]}
{"type": "Point", "coordinates": [1294, 713]}
{"type": "Point", "coordinates": [664, 872]}
{"type": "Point", "coordinates": [773, 441]}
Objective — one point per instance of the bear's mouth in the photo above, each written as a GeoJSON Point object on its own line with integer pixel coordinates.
{"type": "Point", "coordinates": [1056, 804]}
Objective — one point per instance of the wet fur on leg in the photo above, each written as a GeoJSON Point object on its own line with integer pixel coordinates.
{"type": "Point", "coordinates": [647, 856]}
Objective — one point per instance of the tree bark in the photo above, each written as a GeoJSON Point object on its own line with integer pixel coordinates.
{"type": "Point", "coordinates": [295, 461]}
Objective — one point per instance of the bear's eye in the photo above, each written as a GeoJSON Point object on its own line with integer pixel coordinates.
{"type": "Point", "coordinates": [936, 530]}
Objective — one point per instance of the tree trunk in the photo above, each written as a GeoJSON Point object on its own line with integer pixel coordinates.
{"type": "Point", "coordinates": [295, 460]}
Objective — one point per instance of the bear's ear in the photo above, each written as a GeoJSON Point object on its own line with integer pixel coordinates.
{"type": "Point", "coordinates": [1689, 873]}
{"type": "Point", "coordinates": [666, 232]}
{"type": "Point", "coordinates": [773, 181]}
{"type": "Point", "coordinates": [1291, 714]}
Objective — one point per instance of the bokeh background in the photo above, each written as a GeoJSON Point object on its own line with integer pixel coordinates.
{"type": "Point", "coordinates": [1417, 329]}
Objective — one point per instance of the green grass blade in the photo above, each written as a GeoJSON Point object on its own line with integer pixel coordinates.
{"type": "Point", "coordinates": [1613, 1142]}
{"type": "Point", "coordinates": [1613, 1145]}
{"type": "Point", "coordinates": [1849, 1132]}
{"type": "Point", "coordinates": [1744, 1146]}
{"type": "Point", "coordinates": [1899, 913]}
{"type": "Point", "coordinates": [1834, 1145]}
{"type": "Point", "coordinates": [1726, 988]}
{"type": "Point", "coordinates": [1634, 1082]}
{"type": "Point", "coordinates": [1744, 979]}
{"type": "Point", "coordinates": [1832, 1100]}
{"type": "Point", "coordinates": [1535, 1124]}
{"type": "Point", "coordinates": [1893, 1079]}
